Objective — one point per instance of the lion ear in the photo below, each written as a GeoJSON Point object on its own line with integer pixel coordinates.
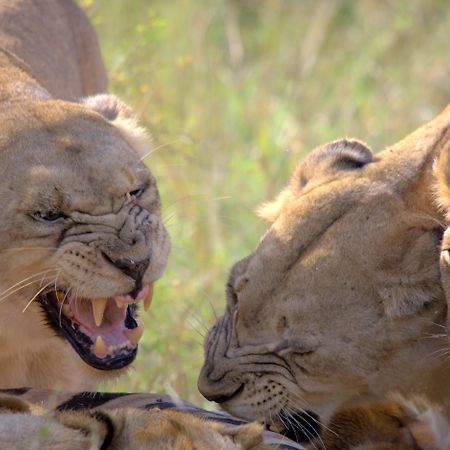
{"type": "Point", "coordinates": [343, 154]}
{"type": "Point", "coordinates": [123, 118]}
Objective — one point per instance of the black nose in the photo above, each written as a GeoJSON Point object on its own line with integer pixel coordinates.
{"type": "Point", "coordinates": [132, 268]}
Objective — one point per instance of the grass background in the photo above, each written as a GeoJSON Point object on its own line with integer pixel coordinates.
{"type": "Point", "coordinates": [235, 92]}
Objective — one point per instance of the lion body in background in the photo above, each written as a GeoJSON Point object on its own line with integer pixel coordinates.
{"type": "Point", "coordinates": [53, 43]}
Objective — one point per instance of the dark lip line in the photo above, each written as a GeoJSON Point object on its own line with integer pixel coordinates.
{"type": "Point", "coordinates": [62, 326]}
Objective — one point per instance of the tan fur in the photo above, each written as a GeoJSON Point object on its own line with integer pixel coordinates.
{"type": "Point", "coordinates": [53, 43]}
{"type": "Point", "coordinates": [396, 424]}
{"type": "Point", "coordinates": [79, 156]}
{"type": "Point", "coordinates": [338, 302]}
{"type": "Point", "coordinates": [119, 429]}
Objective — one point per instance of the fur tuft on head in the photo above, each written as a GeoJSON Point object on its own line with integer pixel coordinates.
{"type": "Point", "coordinates": [271, 210]}
{"type": "Point", "coordinates": [123, 118]}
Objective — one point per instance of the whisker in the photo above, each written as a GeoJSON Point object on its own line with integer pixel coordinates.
{"type": "Point", "coordinates": [216, 317]}
{"type": "Point", "coordinates": [286, 425]}
{"type": "Point", "coordinates": [4, 297]}
{"type": "Point", "coordinates": [168, 218]}
{"type": "Point", "coordinates": [291, 420]}
{"type": "Point", "coordinates": [192, 325]}
{"type": "Point", "coordinates": [62, 303]}
{"type": "Point", "coordinates": [304, 428]}
{"type": "Point", "coordinates": [296, 404]}
{"type": "Point", "coordinates": [37, 274]}
{"type": "Point", "coordinates": [439, 325]}
{"type": "Point", "coordinates": [199, 198]}
{"type": "Point", "coordinates": [440, 353]}
{"type": "Point", "coordinates": [35, 295]}
{"type": "Point", "coordinates": [434, 336]}
{"type": "Point", "coordinates": [201, 322]}
{"type": "Point", "coordinates": [158, 147]}
{"type": "Point", "coordinates": [312, 433]}
{"type": "Point", "coordinates": [430, 217]}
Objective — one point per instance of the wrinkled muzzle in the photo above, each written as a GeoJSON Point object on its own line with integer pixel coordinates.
{"type": "Point", "coordinates": [123, 239]}
{"type": "Point", "coordinates": [106, 267]}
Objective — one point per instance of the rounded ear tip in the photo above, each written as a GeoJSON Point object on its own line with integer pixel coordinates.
{"type": "Point", "coordinates": [121, 117]}
{"type": "Point", "coordinates": [109, 106]}
{"type": "Point", "coordinates": [352, 144]}
{"type": "Point", "coordinates": [349, 153]}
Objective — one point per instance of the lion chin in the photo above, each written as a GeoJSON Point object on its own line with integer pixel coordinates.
{"type": "Point", "coordinates": [341, 302]}
{"type": "Point", "coordinates": [82, 237]}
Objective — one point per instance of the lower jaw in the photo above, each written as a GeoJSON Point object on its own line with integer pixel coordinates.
{"type": "Point", "coordinates": [82, 344]}
{"type": "Point", "coordinates": [102, 331]}
{"type": "Point", "coordinates": [109, 364]}
{"type": "Point", "coordinates": [116, 361]}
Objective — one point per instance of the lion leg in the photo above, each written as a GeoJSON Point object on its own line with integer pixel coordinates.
{"type": "Point", "coordinates": [371, 426]}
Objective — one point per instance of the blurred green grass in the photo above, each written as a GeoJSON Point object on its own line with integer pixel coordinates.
{"type": "Point", "coordinates": [235, 93]}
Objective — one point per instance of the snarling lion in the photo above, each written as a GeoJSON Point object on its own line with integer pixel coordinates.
{"type": "Point", "coordinates": [82, 243]}
{"type": "Point", "coordinates": [341, 302]}
{"type": "Point", "coordinates": [82, 236]}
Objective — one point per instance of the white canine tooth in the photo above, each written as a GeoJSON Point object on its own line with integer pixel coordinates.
{"type": "Point", "coordinates": [99, 348]}
{"type": "Point", "coordinates": [446, 256]}
{"type": "Point", "coordinates": [98, 309]}
{"type": "Point", "coordinates": [134, 335]}
{"type": "Point", "coordinates": [148, 298]}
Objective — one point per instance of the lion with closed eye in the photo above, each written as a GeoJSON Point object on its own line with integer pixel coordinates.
{"type": "Point", "coordinates": [341, 302]}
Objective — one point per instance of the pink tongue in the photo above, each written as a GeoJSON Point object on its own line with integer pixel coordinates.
{"type": "Point", "coordinates": [112, 327]}
{"type": "Point", "coordinates": [110, 314]}
{"type": "Point", "coordinates": [82, 312]}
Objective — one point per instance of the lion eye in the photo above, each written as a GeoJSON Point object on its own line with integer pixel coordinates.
{"type": "Point", "coordinates": [48, 216]}
{"type": "Point", "coordinates": [136, 192]}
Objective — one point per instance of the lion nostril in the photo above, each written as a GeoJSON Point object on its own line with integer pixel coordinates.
{"type": "Point", "coordinates": [130, 267]}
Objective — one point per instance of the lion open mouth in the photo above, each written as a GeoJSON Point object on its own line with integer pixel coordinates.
{"type": "Point", "coordinates": [103, 331]}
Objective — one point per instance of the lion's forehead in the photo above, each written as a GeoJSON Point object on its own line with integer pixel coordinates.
{"type": "Point", "coordinates": [80, 187]}
{"type": "Point", "coordinates": [76, 166]}
{"type": "Point", "coordinates": [316, 265]}
{"type": "Point", "coordinates": [50, 130]}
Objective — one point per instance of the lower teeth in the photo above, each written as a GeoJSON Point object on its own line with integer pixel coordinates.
{"type": "Point", "coordinates": [100, 350]}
